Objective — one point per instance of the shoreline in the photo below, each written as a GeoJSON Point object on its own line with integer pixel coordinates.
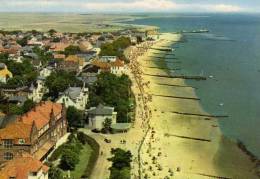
{"type": "Point", "coordinates": [212, 168]}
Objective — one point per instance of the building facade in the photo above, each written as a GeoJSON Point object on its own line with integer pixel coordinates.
{"type": "Point", "coordinates": [35, 132]}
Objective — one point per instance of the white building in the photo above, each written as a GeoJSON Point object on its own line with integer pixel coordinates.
{"type": "Point", "coordinates": [37, 90]}
{"type": "Point", "coordinates": [45, 72]}
{"type": "Point", "coordinates": [98, 115]}
{"type": "Point", "coordinates": [75, 96]}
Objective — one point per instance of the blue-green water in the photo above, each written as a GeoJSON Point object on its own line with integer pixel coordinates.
{"type": "Point", "coordinates": [231, 54]}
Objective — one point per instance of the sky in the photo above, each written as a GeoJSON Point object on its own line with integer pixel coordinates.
{"type": "Point", "coordinates": [221, 6]}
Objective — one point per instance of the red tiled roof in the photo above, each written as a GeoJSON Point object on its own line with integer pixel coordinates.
{"type": "Point", "coordinates": [118, 63]}
{"type": "Point", "coordinates": [20, 167]}
{"type": "Point", "coordinates": [16, 130]}
{"type": "Point", "coordinates": [41, 114]}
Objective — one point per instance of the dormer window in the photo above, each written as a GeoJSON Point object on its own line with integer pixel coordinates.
{"type": "Point", "coordinates": [21, 141]}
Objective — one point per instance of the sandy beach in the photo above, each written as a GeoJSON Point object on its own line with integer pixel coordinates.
{"type": "Point", "coordinates": [182, 146]}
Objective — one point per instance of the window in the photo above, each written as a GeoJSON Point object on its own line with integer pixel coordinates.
{"type": "Point", "coordinates": [8, 156]}
{"type": "Point", "coordinates": [21, 141]}
{"type": "Point", "coordinates": [8, 143]}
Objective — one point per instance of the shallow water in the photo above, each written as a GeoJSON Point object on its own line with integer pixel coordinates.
{"type": "Point", "coordinates": [230, 54]}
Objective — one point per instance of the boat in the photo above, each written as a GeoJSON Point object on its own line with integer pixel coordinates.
{"type": "Point", "coordinates": [221, 104]}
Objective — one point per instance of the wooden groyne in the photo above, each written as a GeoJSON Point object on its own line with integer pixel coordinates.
{"type": "Point", "coordinates": [176, 97]}
{"type": "Point", "coordinates": [181, 86]}
{"type": "Point", "coordinates": [163, 58]}
{"type": "Point", "coordinates": [162, 49]}
{"type": "Point", "coordinates": [200, 115]}
{"type": "Point", "coordinates": [179, 76]}
{"type": "Point", "coordinates": [213, 176]}
{"type": "Point", "coordinates": [167, 61]}
{"type": "Point", "coordinates": [186, 137]}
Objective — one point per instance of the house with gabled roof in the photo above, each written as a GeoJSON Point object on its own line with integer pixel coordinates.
{"type": "Point", "coordinates": [74, 96]}
{"type": "Point", "coordinates": [35, 132]}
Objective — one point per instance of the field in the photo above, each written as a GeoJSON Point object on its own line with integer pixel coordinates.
{"type": "Point", "coordinates": [63, 22]}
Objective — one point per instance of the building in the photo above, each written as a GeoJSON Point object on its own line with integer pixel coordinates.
{"type": "Point", "coordinates": [24, 167]}
{"type": "Point", "coordinates": [75, 96]}
{"type": "Point", "coordinates": [98, 115]}
{"type": "Point", "coordinates": [5, 74]}
{"type": "Point", "coordinates": [37, 90]}
{"type": "Point", "coordinates": [45, 72]}
{"type": "Point", "coordinates": [35, 132]}
{"type": "Point", "coordinates": [116, 67]}
{"type": "Point", "coordinates": [77, 60]}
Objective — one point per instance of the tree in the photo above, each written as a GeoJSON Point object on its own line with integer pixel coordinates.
{"type": "Point", "coordinates": [74, 117]}
{"type": "Point", "coordinates": [59, 81]}
{"type": "Point", "coordinates": [72, 50]}
{"type": "Point", "coordinates": [28, 105]}
{"type": "Point", "coordinates": [22, 41]}
{"type": "Point", "coordinates": [121, 161]}
{"type": "Point", "coordinates": [55, 173]}
{"type": "Point", "coordinates": [69, 160]}
{"type": "Point", "coordinates": [121, 158]}
{"type": "Point", "coordinates": [114, 91]}
{"type": "Point", "coordinates": [107, 124]}
{"type": "Point", "coordinates": [82, 137]}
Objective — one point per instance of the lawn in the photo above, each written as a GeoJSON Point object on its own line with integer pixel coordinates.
{"type": "Point", "coordinates": [85, 154]}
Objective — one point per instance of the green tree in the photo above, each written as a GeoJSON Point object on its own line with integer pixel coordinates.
{"type": "Point", "coordinates": [28, 105]}
{"type": "Point", "coordinates": [113, 91]}
{"type": "Point", "coordinates": [72, 50]}
{"type": "Point", "coordinates": [74, 117]}
{"type": "Point", "coordinates": [59, 81]}
{"type": "Point", "coordinates": [82, 137]}
{"type": "Point", "coordinates": [55, 173]}
{"type": "Point", "coordinates": [107, 124]}
{"type": "Point", "coordinates": [121, 161]}
{"type": "Point", "coordinates": [22, 41]}
{"type": "Point", "coordinates": [69, 160]}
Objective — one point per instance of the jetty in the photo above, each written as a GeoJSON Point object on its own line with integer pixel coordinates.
{"type": "Point", "coordinates": [179, 76]}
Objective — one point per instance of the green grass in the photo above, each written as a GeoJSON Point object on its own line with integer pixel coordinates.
{"type": "Point", "coordinates": [85, 154]}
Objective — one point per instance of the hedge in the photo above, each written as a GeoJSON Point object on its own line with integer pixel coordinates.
{"type": "Point", "coordinates": [93, 158]}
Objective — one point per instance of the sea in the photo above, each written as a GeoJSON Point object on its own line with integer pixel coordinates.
{"type": "Point", "coordinates": [229, 55]}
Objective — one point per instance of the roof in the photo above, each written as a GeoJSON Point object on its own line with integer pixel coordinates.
{"type": "Point", "coordinates": [121, 126]}
{"type": "Point", "coordinates": [20, 99]}
{"type": "Point", "coordinates": [73, 92]}
{"type": "Point", "coordinates": [118, 63]}
{"type": "Point", "coordinates": [75, 59]}
{"type": "Point", "coordinates": [59, 47]}
{"type": "Point", "coordinates": [101, 110]}
{"type": "Point", "coordinates": [20, 167]}
{"type": "Point", "coordinates": [41, 114]}
{"type": "Point", "coordinates": [16, 130]}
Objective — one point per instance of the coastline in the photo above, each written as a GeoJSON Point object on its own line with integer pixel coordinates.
{"type": "Point", "coordinates": [222, 157]}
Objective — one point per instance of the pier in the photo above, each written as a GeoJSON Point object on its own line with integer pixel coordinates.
{"type": "Point", "coordinates": [213, 176]}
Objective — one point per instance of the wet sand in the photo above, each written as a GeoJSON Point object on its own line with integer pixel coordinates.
{"type": "Point", "coordinates": [181, 146]}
